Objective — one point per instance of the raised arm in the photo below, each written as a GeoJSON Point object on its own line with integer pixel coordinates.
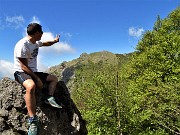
{"type": "Point", "coordinates": [49, 43]}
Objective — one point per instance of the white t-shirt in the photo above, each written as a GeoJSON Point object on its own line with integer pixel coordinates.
{"type": "Point", "coordinates": [25, 49]}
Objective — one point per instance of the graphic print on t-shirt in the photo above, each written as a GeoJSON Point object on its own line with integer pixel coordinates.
{"type": "Point", "coordinates": [34, 53]}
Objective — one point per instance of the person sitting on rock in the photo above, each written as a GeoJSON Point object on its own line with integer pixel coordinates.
{"type": "Point", "coordinates": [26, 73]}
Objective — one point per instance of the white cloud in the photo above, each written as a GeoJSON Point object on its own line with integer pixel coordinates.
{"type": "Point", "coordinates": [40, 66]}
{"type": "Point", "coordinates": [35, 20]}
{"type": "Point", "coordinates": [14, 21]}
{"type": "Point", "coordinates": [58, 48]}
{"type": "Point", "coordinates": [1, 24]}
{"type": "Point", "coordinates": [6, 69]}
{"type": "Point", "coordinates": [66, 36]}
{"type": "Point", "coordinates": [135, 32]}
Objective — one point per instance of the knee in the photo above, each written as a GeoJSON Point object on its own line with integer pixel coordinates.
{"type": "Point", "coordinates": [52, 78]}
{"type": "Point", "coordinates": [30, 88]}
{"type": "Point", "coordinates": [55, 78]}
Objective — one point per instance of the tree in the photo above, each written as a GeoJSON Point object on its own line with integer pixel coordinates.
{"type": "Point", "coordinates": [153, 80]}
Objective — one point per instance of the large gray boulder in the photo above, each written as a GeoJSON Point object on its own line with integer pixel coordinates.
{"type": "Point", "coordinates": [13, 112]}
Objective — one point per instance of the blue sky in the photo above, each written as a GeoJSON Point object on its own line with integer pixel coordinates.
{"type": "Point", "coordinates": [84, 25]}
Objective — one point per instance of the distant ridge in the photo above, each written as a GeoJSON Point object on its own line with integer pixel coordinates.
{"type": "Point", "coordinates": [65, 70]}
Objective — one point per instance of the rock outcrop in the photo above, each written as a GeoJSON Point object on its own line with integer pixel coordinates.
{"type": "Point", "coordinates": [13, 112]}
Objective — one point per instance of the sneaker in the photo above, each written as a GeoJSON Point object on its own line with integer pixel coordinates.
{"type": "Point", "coordinates": [51, 101]}
{"type": "Point", "coordinates": [33, 125]}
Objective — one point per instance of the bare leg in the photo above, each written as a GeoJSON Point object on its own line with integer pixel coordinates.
{"type": "Point", "coordinates": [30, 98]}
{"type": "Point", "coordinates": [52, 87]}
{"type": "Point", "coordinates": [52, 84]}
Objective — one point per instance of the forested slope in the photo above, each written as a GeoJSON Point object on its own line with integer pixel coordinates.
{"type": "Point", "coordinates": [133, 94]}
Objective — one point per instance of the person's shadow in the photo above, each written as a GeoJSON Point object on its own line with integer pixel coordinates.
{"type": "Point", "coordinates": [65, 121]}
{"type": "Point", "coordinates": [67, 74]}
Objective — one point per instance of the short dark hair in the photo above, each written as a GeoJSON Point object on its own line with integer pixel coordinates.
{"type": "Point", "coordinates": [32, 28]}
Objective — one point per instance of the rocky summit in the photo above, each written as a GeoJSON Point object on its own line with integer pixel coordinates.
{"type": "Point", "coordinates": [53, 121]}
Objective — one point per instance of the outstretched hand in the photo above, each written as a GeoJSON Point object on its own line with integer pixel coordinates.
{"type": "Point", "coordinates": [57, 38]}
{"type": "Point", "coordinates": [49, 43]}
